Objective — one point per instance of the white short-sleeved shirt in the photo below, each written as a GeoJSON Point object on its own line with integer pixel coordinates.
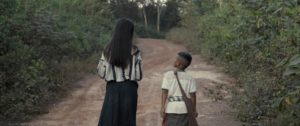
{"type": "Point", "coordinates": [170, 83]}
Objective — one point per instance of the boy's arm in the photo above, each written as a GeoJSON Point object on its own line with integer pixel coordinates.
{"type": "Point", "coordinates": [164, 96]}
{"type": "Point", "coordinates": [193, 99]}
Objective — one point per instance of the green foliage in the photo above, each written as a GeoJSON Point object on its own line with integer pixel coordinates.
{"type": "Point", "coordinates": [149, 32]}
{"type": "Point", "coordinates": [170, 15]}
{"type": "Point", "coordinates": [250, 38]}
{"type": "Point", "coordinates": [37, 39]}
{"type": "Point", "coordinates": [292, 66]}
{"type": "Point", "coordinates": [183, 35]}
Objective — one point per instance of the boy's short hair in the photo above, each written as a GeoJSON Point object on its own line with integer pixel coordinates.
{"type": "Point", "coordinates": [187, 57]}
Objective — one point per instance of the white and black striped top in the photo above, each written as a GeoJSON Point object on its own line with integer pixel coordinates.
{"type": "Point", "coordinates": [132, 72]}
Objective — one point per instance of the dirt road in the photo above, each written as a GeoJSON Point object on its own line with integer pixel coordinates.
{"type": "Point", "coordinates": [82, 107]}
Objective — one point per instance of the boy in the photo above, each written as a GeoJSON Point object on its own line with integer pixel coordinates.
{"type": "Point", "coordinates": [175, 111]}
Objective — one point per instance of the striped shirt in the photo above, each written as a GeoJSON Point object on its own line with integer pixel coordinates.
{"type": "Point", "coordinates": [132, 72]}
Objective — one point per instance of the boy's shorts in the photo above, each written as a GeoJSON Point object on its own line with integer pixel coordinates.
{"type": "Point", "coordinates": [177, 119]}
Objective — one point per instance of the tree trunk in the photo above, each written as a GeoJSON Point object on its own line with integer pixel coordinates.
{"type": "Point", "coordinates": [158, 19]}
{"type": "Point", "coordinates": [220, 3]}
{"type": "Point", "coordinates": [145, 17]}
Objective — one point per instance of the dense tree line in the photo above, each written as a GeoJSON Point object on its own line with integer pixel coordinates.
{"type": "Point", "coordinates": [258, 42]}
{"type": "Point", "coordinates": [151, 16]}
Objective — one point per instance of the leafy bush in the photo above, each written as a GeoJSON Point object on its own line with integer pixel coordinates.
{"type": "Point", "coordinates": [149, 32]}
{"type": "Point", "coordinates": [40, 42]}
{"type": "Point", "coordinates": [183, 35]}
{"type": "Point", "coordinates": [250, 39]}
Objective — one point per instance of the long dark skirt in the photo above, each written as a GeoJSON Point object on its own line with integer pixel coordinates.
{"type": "Point", "coordinates": [120, 104]}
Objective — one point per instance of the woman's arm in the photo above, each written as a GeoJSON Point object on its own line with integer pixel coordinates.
{"type": "Point", "coordinates": [101, 67]}
{"type": "Point", "coordinates": [138, 66]}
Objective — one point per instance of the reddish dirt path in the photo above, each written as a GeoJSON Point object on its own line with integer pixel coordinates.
{"type": "Point", "coordinates": [83, 106]}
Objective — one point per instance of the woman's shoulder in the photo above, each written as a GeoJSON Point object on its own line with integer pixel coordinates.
{"type": "Point", "coordinates": [135, 50]}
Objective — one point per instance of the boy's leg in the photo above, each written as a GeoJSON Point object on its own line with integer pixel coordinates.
{"type": "Point", "coordinates": [171, 119]}
{"type": "Point", "coordinates": [177, 120]}
{"type": "Point", "coordinates": [183, 120]}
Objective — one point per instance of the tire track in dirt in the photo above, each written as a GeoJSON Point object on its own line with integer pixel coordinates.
{"type": "Point", "coordinates": [83, 106]}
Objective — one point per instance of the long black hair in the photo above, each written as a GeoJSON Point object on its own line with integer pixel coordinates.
{"type": "Point", "coordinates": [118, 51]}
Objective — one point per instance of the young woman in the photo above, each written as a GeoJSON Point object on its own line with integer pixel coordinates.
{"type": "Point", "coordinates": [120, 66]}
